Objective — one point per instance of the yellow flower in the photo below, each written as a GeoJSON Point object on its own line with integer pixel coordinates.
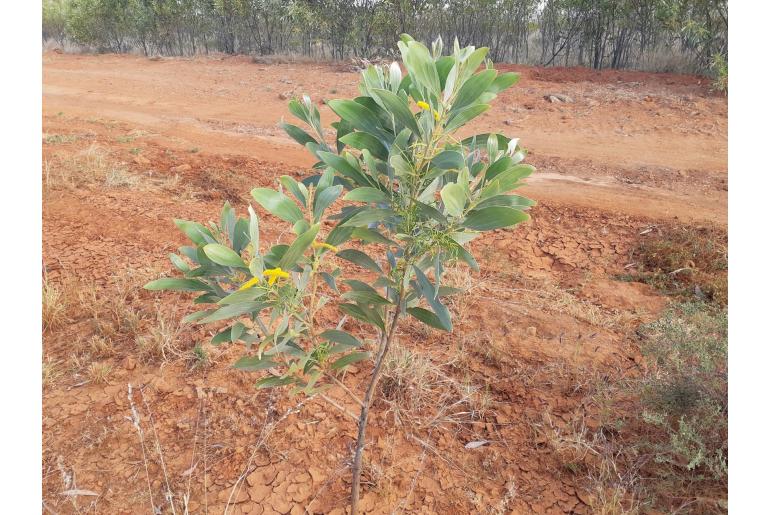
{"type": "Point", "coordinates": [319, 245]}
{"type": "Point", "coordinates": [423, 105]}
{"type": "Point", "coordinates": [250, 283]}
{"type": "Point", "coordinates": [436, 115]}
{"type": "Point", "coordinates": [274, 274]}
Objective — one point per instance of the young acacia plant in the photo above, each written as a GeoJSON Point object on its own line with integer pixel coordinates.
{"type": "Point", "coordinates": [416, 195]}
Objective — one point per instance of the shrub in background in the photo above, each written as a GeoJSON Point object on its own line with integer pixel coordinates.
{"type": "Point", "coordinates": [415, 196]}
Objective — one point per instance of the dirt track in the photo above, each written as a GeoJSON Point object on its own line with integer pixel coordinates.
{"type": "Point", "coordinates": [543, 319]}
{"type": "Point", "coordinates": [642, 144]}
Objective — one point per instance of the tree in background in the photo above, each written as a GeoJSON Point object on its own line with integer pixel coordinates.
{"type": "Point", "coordinates": [595, 33]}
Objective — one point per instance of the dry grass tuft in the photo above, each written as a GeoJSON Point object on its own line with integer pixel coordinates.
{"type": "Point", "coordinates": [91, 166]}
{"type": "Point", "coordinates": [99, 373]}
{"type": "Point", "coordinates": [52, 371]}
{"type": "Point", "coordinates": [54, 305]}
{"type": "Point", "coordinates": [159, 344]}
{"type": "Point", "coordinates": [100, 347]}
{"type": "Point", "coordinates": [121, 178]}
{"type": "Point", "coordinates": [421, 393]}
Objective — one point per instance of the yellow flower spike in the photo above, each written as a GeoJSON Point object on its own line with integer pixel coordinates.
{"type": "Point", "coordinates": [320, 245]}
{"type": "Point", "coordinates": [274, 274]}
{"type": "Point", "coordinates": [423, 105]}
{"type": "Point", "coordinates": [249, 284]}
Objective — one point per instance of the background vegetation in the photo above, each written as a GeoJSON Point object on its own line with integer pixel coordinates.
{"type": "Point", "coordinates": [667, 35]}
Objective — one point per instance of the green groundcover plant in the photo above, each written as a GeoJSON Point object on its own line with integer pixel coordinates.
{"type": "Point", "coordinates": [414, 195]}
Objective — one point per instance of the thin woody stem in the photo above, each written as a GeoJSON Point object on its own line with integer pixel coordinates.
{"type": "Point", "coordinates": [387, 339]}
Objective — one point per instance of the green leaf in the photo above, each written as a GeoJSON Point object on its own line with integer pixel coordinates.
{"type": "Point", "coordinates": [197, 233]}
{"type": "Point", "coordinates": [330, 280]}
{"type": "Point", "coordinates": [240, 235]}
{"type": "Point", "coordinates": [448, 160]}
{"type": "Point", "coordinates": [428, 211]}
{"type": "Point", "coordinates": [370, 236]}
{"type": "Point", "coordinates": [473, 88]}
{"type": "Point", "coordinates": [430, 293]}
{"type": "Point", "coordinates": [421, 64]}
{"type": "Point", "coordinates": [349, 359]}
{"type": "Point", "coordinates": [324, 199]}
{"type": "Point", "coordinates": [293, 186]}
{"type": "Point", "coordinates": [462, 117]}
{"type": "Point", "coordinates": [503, 82]}
{"type": "Point", "coordinates": [466, 256]}
{"type": "Point", "coordinates": [222, 255]}
{"type": "Point", "coordinates": [273, 381]}
{"type": "Point", "coordinates": [472, 63]}
{"type": "Point", "coordinates": [509, 179]}
{"type": "Point", "coordinates": [397, 107]}
{"type": "Point", "coordinates": [297, 134]}
{"type": "Point", "coordinates": [277, 204]}
{"type": "Point", "coordinates": [514, 201]}
{"type": "Point", "coordinates": [170, 283]}
{"type": "Point", "coordinates": [363, 313]}
{"type": "Point", "coordinates": [236, 331]}
{"type": "Point", "coordinates": [254, 230]}
{"type": "Point", "coordinates": [365, 297]}
{"type": "Point", "coordinates": [253, 363]}
{"type": "Point", "coordinates": [231, 311]}
{"type": "Point", "coordinates": [222, 337]}
{"type": "Point", "coordinates": [364, 140]}
{"type": "Point", "coordinates": [342, 165]}
{"type": "Point", "coordinates": [179, 263]}
{"type": "Point", "coordinates": [493, 218]}
{"type": "Point", "coordinates": [239, 296]}
{"type": "Point", "coordinates": [298, 247]}
{"type": "Point", "coordinates": [426, 316]}
{"type": "Point", "coordinates": [454, 198]}
{"type": "Point", "coordinates": [192, 317]}
{"type": "Point", "coordinates": [358, 115]}
{"type": "Point", "coordinates": [359, 258]}
{"type": "Point", "coordinates": [341, 337]}
{"type": "Point", "coordinates": [481, 140]}
{"type": "Point", "coordinates": [367, 194]}
{"type": "Point", "coordinates": [368, 216]}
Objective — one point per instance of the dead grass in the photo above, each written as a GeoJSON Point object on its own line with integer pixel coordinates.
{"type": "Point", "coordinates": [422, 393]}
{"type": "Point", "coordinates": [99, 373]}
{"type": "Point", "coordinates": [54, 305]}
{"type": "Point", "coordinates": [92, 166]}
{"type": "Point", "coordinates": [159, 344]}
{"type": "Point", "coordinates": [52, 371]}
{"type": "Point", "coordinates": [121, 178]}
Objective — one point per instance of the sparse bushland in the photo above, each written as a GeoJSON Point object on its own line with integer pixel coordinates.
{"type": "Point", "coordinates": [416, 196]}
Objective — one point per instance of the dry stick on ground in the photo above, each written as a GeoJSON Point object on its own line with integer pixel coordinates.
{"type": "Point", "coordinates": [159, 450]}
{"type": "Point", "coordinates": [193, 465]}
{"type": "Point", "coordinates": [134, 418]}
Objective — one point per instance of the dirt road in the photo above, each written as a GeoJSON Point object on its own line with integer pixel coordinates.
{"type": "Point", "coordinates": [640, 144]}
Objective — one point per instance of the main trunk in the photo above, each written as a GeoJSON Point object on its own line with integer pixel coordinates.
{"type": "Point", "coordinates": [362, 419]}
